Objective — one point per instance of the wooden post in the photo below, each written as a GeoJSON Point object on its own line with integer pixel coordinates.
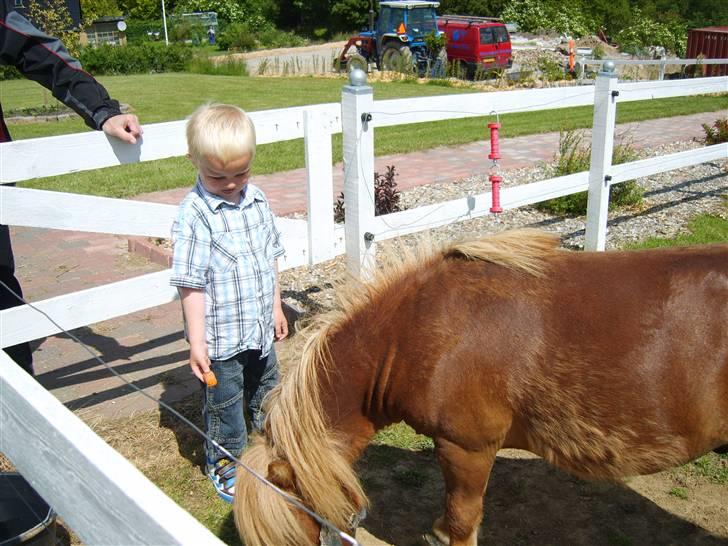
{"type": "Point", "coordinates": [320, 187]}
{"type": "Point", "coordinates": [605, 109]}
{"type": "Point", "coordinates": [358, 136]}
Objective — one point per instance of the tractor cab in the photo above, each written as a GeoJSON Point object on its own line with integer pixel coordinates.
{"type": "Point", "coordinates": [397, 41]}
{"type": "Point", "coordinates": [406, 20]}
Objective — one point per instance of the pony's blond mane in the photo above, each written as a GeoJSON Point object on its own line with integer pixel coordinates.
{"type": "Point", "coordinates": [519, 250]}
{"type": "Point", "coordinates": [523, 249]}
{"type": "Point", "coordinates": [296, 431]}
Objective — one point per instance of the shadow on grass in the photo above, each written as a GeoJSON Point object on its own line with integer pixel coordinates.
{"type": "Point", "coordinates": [189, 441]}
{"type": "Point", "coordinates": [527, 502]}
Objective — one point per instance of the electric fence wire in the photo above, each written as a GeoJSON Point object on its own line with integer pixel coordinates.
{"type": "Point", "coordinates": [289, 498]}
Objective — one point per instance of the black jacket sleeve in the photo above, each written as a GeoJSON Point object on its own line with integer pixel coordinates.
{"type": "Point", "coordinates": [45, 60]}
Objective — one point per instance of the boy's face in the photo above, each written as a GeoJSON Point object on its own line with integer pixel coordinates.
{"type": "Point", "coordinates": [226, 180]}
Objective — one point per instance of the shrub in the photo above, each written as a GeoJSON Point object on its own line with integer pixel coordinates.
{"type": "Point", "coordinates": [573, 157]}
{"type": "Point", "coordinates": [135, 59]}
{"type": "Point", "coordinates": [247, 36]}
{"type": "Point", "coordinates": [550, 70]}
{"type": "Point", "coordinates": [237, 36]}
{"type": "Point", "coordinates": [716, 134]}
{"type": "Point", "coordinates": [186, 31]}
{"type": "Point", "coordinates": [645, 32]}
{"type": "Point", "coordinates": [386, 196]}
{"type": "Point", "coordinates": [9, 72]}
{"type": "Point", "coordinates": [537, 16]}
{"type": "Point", "coordinates": [272, 37]}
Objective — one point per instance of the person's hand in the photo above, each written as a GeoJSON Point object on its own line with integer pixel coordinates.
{"type": "Point", "coordinates": [199, 361]}
{"type": "Point", "coordinates": [124, 127]}
{"type": "Point", "coordinates": [281, 324]}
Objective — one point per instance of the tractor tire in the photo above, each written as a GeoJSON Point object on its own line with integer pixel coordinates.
{"type": "Point", "coordinates": [396, 58]}
{"type": "Point", "coordinates": [357, 60]}
{"type": "Point", "coordinates": [439, 66]}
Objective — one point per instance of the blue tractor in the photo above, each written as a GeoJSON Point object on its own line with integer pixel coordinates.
{"type": "Point", "coordinates": [398, 41]}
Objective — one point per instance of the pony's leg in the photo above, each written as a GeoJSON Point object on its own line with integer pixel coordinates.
{"type": "Point", "coordinates": [466, 477]}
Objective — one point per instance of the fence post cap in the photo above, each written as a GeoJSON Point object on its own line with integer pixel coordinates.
{"type": "Point", "coordinates": [357, 77]}
{"type": "Point", "coordinates": [608, 69]}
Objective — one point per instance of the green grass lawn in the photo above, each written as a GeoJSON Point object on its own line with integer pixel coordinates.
{"type": "Point", "coordinates": [168, 97]}
{"type": "Point", "coordinates": [702, 230]}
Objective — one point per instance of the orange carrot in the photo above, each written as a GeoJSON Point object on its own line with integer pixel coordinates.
{"type": "Point", "coordinates": [210, 378]}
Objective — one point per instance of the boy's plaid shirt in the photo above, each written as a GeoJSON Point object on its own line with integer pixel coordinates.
{"type": "Point", "coordinates": [229, 251]}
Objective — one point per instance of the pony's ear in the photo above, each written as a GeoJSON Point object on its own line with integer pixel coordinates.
{"type": "Point", "coordinates": [281, 473]}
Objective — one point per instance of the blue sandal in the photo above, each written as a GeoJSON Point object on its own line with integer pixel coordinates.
{"type": "Point", "coordinates": [222, 476]}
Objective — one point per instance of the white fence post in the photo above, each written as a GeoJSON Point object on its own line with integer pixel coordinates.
{"type": "Point", "coordinates": [320, 187]}
{"type": "Point", "coordinates": [357, 100]}
{"type": "Point", "coordinates": [605, 109]}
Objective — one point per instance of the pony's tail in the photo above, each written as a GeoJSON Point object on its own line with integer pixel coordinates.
{"type": "Point", "coordinates": [263, 517]}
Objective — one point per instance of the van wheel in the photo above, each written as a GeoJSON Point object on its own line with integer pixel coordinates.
{"type": "Point", "coordinates": [397, 58]}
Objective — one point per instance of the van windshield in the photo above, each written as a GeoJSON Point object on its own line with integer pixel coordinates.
{"type": "Point", "coordinates": [493, 35]}
{"type": "Point", "coordinates": [421, 22]}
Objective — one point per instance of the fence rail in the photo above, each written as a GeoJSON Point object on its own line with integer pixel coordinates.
{"type": "Point", "coordinates": [131, 510]}
{"type": "Point", "coordinates": [582, 63]}
{"type": "Point", "coordinates": [97, 492]}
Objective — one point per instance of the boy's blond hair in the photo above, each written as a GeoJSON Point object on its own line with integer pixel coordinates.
{"type": "Point", "coordinates": [221, 131]}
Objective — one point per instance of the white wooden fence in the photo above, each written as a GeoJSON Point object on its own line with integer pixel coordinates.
{"type": "Point", "coordinates": [102, 497]}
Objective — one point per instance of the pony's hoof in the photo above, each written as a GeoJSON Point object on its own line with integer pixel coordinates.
{"type": "Point", "coordinates": [432, 540]}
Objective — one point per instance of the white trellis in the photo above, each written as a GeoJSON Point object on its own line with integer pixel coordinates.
{"type": "Point", "coordinates": [57, 453]}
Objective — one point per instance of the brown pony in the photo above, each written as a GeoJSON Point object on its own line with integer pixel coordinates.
{"type": "Point", "coordinates": [605, 364]}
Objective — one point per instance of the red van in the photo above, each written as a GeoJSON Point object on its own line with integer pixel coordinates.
{"type": "Point", "coordinates": [477, 42]}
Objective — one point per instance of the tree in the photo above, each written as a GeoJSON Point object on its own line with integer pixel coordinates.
{"type": "Point", "coordinates": [146, 10]}
{"type": "Point", "coordinates": [480, 8]}
{"type": "Point", "coordinates": [351, 14]}
{"type": "Point", "coordinates": [93, 9]}
{"type": "Point", "coordinates": [53, 18]}
{"type": "Point", "coordinates": [254, 12]}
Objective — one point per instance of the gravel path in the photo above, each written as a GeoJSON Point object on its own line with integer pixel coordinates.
{"type": "Point", "coordinates": [670, 201]}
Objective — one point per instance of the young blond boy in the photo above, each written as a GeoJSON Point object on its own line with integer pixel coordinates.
{"type": "Point", "coordinates": [225, 250]}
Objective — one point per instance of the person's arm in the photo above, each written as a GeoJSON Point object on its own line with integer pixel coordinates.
{"type": "Point", "coordinates": [279, 318]}
{"type": "Point", "coordinates": [190, 262]}
{"type": "Point", "coordinates": [44, 59]}
{"type": "Point", "coordinates": [193, 305]}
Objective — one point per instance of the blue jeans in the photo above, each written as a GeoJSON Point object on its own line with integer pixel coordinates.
{"type": "Point", "coordinates": [242, 380]}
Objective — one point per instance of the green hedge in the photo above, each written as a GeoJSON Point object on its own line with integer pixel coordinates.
{"type": "Point", "coordinates": [144, 58]}
{"type": "Point", "coordinates": [9, 72]}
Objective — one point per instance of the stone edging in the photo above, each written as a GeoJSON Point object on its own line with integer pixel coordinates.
{"type": "Point", "coordinates": [143, 246]}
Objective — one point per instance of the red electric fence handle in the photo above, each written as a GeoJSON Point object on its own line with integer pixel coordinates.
{"type": "Point", "coordinates": [494, 143]}
{"type": "Point", "coordinates": [495, 181]}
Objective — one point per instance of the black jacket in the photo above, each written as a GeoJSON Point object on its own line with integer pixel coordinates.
{"type": "Point", "coordinates": [45, 60]}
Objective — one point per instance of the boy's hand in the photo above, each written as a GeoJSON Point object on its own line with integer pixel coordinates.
{"type": "Point", "coordinates": [199, 361]}
{"type": "Point", "coordinates": [281, 324]}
